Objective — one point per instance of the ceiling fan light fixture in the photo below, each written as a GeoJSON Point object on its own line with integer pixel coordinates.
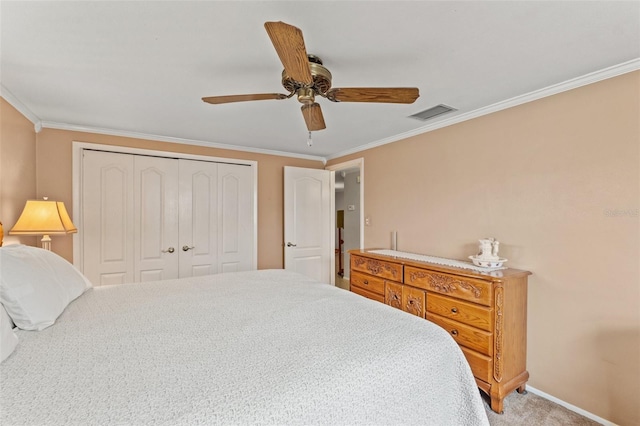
{"type": "Point", "coordinates": [306, 95]}
{"type": "Point", "coordinates": [432, 112]}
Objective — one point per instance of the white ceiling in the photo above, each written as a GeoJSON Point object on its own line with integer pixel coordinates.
{"type": "Point", "coordinates": [142, 67]}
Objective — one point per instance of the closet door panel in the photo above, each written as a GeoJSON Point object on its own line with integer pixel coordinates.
{"type": "Point", "coordinates": [198, 221]}
{"type": "Point", "coordinates": [235, 217]}
{"type": "Point", "coordinates": [154, 218]}
{"type": "Point", "coordinates": [156, 214]}
{"type": "Point", "coordinates": [107, 217]}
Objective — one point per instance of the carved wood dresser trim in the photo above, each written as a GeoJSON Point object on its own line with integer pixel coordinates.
{"type": "Point", "coordinates": [376, 267]}
{"type": "Point", "coordinates": [414, 305]}
{"type": "Point", "coordinates": [499, 336]}
{"type": "Point", "coordinates": [446, 284]}
{"type": "Point", "coordinates": [394, 298]}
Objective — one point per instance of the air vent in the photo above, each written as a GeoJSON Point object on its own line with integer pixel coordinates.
{"type": "Point", "coordinates": [432, 112]}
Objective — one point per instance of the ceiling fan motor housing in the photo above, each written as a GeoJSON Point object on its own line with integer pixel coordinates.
{"type": "Point", "coordinates": [321, 81]}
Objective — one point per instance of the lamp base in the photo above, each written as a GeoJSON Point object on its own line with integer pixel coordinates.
{"type": "Point", "coordinates": [46, 242]}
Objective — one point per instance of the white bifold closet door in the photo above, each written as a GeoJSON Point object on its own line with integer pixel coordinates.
{"type": "Point", "coordinates": [148, 218]}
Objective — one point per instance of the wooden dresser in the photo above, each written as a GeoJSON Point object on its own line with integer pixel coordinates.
{"type": "Point", "coordinates": [485, 312]}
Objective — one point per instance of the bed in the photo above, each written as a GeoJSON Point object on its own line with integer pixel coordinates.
{"type": "Point", "coordinates": [257, 347]}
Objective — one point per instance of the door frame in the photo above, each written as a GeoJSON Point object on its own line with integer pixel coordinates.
{"type": "Point", "coordinates": [78, 147]}
{"type": "Point", "coordinates": [358, 162]}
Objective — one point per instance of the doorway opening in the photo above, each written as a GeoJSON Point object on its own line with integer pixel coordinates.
{"type": "Point", "coordinates": [349, 213]}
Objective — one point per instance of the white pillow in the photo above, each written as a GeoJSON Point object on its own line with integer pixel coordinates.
{"type": "Point", "coordinates": [8, 339]}
{"type": "Point", "coordinates": [36, 285]}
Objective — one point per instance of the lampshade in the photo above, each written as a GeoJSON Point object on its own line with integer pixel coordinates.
{"type": "Point", "coordinates": [44, 217]}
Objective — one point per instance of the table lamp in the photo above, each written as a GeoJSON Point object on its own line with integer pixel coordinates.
{"type": "Point", "coordinates": [44, 217]}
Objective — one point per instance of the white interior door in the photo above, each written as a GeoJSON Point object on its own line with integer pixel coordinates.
{"type": "Point", "coordinates": [309, 222]}
{"type": "Point", "coordinates": [235, 218]}
{"type": "Point", "coordinates": [107, 217]}
{"type": "Point", "coordinates": [146, 217]}
{"type": "Point", "coordinates": [198, 221]}
{"type": "Point", "coordinates": [155, 194]}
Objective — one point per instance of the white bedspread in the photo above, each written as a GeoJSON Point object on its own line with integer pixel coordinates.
{"type": "Point", "coordinates": [260, 347]}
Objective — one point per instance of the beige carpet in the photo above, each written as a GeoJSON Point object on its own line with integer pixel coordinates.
{"type": "Point", "coordinates": [532, 410]}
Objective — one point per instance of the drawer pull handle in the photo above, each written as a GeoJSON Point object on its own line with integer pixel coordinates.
{"type": "Point", "coordinates": [454, 310]}
{"type": "Point", "coordinates": [365, 282]}
{"type": "Point", "coordinates": [454, 332]}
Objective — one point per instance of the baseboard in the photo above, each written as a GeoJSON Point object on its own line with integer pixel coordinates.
{"type": "Point", "coordinates": [570, 407]}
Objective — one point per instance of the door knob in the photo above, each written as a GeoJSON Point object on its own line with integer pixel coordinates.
{"type": "Point", "coordinates": [169, 250]}
{"type": "Point", "coordinates": [291, 245]}
{"type": "Point", "coordinates": [187, 248]}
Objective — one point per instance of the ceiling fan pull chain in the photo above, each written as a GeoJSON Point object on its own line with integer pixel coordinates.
{"type": "Point", "coordinates": [309, 141]}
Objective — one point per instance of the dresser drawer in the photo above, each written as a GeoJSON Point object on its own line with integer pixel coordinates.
{"type": "Point", "coordinates": [467, 313]}
{"type": "Point", "coordinates": [477, 291]}
{"type": "Point", "coordinates": [480, 364]}
{"type": "Point", "coordinates": [465, 335]}
{"type": "Point", "coordinates": [413, 301]}
{"type": "Point", "coordinates": [373, 296]}
{"type": "Point", "coordinates": [367, 282]}
{"type": "Point", "coordinates": [393, 294]}
{"type": "Point", "coordinates": [408, 299]}
{"type": "Point", "coordinates": [379, 268]}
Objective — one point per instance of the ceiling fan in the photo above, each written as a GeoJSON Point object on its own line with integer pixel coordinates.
{"type": "Point", "coordinates": [306, 77]}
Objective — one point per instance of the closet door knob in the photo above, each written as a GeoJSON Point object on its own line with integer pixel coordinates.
{"type": "Point", "coordinates": [169, 250]}
{"type": "Point", "coordinates": [291, 244]}
{"type": "Point", "coordinates": [187, 248]}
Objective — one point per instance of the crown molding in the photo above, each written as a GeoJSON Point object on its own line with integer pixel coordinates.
{"type": "Point", "coordinates": [594, 77]}
{"type": "Point", "coordinates": [606, 73]}
{"type": "Point", "coordinates": [146, 136]}
{"type": "Point", "coordinates": [22, 108]}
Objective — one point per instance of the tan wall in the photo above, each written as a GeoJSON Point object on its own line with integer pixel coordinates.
{"type": "Point", "coordinates": [55, 181]}
{"type": "Point", "coordinates": [557, 182]}
{"type": "Point", "coordinates": [17, 168]}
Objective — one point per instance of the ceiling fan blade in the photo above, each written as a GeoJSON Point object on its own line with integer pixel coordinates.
{"type": "Point", "coordinates": [289, 45]}
{"type": "Point", "coordinates": [243, 98]}
{"type": "Point", "coordinates": [398, 95]}
{"type": "Point", "coordinates": [313, 117]}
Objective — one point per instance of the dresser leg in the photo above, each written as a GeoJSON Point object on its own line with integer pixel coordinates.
{"type": "Point", "coordinates": [522, 389]}
{"type": "Point", "coordinates": [497, 405]}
